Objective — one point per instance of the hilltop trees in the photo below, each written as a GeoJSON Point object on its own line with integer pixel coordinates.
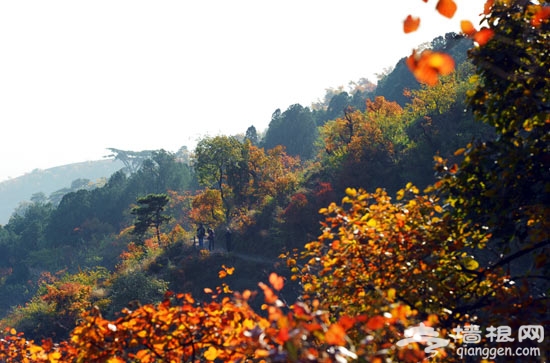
{"type": "Point", "coordinates": [295, 129]}
{"type": "Point", "coordinates": [243, 176]}
{"type": "Point", "coordinates": [361, 146]}
{"type": "Point", "coordinates": [220, 162]}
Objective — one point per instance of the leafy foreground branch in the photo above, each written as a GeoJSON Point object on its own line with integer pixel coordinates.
{"type": "Point", "coordinates": [181, 330]}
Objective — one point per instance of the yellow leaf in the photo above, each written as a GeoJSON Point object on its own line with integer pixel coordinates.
{"type": "Point", "coordinates": [372, 223]}
{"type": "Point", "coordinates": [352, 192]}
{"type": "Point", "coordinates": [53, 357]}
{"type": "Point", "coordinates": [211, 353]}
{"type": "Point", "coordinates": [35, 349]}
{"type": "Point", "coordinates": [142, 333]}
{"type": "Point", "coordinates": [470, 263]}
{"type": "Point", "coordinates": [400, 194]}
{"type": "Point", "coordinates": [391, 294]}
{"type": "Point", "coordinates": [249, 324]}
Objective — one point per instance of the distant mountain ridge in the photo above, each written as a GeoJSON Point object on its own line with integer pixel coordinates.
{"type": "Point", "coordinates": [17, 190]}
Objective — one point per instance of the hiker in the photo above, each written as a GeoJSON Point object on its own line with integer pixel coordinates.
{"type": "Point", "coordinates": [228, 239]}
{"type": "Point", "coordinates": [200, 235]}
{"type": "Point", "coordinates": [210, 239]}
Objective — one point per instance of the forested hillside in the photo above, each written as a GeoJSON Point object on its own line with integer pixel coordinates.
{"type": "Point", "coordinates": [53, 183]}
{"type": "Point", "coordinates": [348, 222]}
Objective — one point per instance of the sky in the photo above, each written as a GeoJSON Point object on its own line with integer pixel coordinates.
{"type": "Point", "coordinates": [78, 77]}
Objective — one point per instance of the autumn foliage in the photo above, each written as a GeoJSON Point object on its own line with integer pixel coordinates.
{"type": "Point", "coordinates": [441, 257]}
{"type": "Point", "coordinates": [357, 296]}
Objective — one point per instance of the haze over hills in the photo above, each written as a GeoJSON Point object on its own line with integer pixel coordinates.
{"type": "Point", "coordinates": [15, 191]}
{"type": "Point", "coordinates": [20, 189]}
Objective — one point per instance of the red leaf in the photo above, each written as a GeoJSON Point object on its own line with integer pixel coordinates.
{"type": "Point", "coordinates": [376, 322]}
{"type": "Point", "coordinates": [483, 36]}
{"type": "Point", "coordinates": [540, 16]}
{"type": "Point", "coordinates": [346, 322]}
{"type": "Point", "coordinates": [283, 335]}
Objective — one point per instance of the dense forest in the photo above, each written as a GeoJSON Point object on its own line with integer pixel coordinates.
{"type": "Point", "coordinates": [345, 223]}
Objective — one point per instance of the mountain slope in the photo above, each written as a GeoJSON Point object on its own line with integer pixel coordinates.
{"type": "Point", "coordinates": [20, 189]}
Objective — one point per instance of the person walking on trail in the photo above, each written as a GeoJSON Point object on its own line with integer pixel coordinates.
{"type": "Point", "coordinates": [200, 235]}
{"type": "Point", "coordinates": [210, 239]}
{"type": "Point", "coordinates": [228, 241]}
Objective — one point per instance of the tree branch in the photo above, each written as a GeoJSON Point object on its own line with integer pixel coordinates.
{"type": "Point", "coordinates": [518, 254]}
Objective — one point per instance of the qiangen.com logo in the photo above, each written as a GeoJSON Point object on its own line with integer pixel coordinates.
{"type": "Point", "coordinates": [471, 335]}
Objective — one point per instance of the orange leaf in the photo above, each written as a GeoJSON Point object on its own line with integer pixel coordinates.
{"type": "Point", "coordinates": [270, 297]}
{"type": "Point", "coordinates": [207, 290]}
{"type": "Point", "coordinates": [467, 28]}
{"type": "Point", "coordinates": [335, 335]}
{"type": "Point", "coordinates": [446, 8]}
{"type": "Point", "coordinates": [261, 353]}
{"type": "Point", "coordinates": [276, 281]}
{"type": "Point", "coordinates": [483, 36]}
{"type": "Point", "coordinates": [115, 360]}
{"type": "Point", "coordinates": [411, 24]}
{"type": "Point", "coordinates": [441, 62]}
{"type": "Point", "coordinates": [487, 7]}
{"type": "Point", "coordinates": [427, 66]}
{"type": "Point", "coordinates": [376, 322]}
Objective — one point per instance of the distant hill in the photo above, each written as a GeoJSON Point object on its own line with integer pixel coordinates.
{"type": "Point", "coordinates": [20, 189]}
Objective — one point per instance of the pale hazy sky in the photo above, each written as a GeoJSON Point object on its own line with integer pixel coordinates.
{"type": "Point", "coordinates": [77, 77]}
